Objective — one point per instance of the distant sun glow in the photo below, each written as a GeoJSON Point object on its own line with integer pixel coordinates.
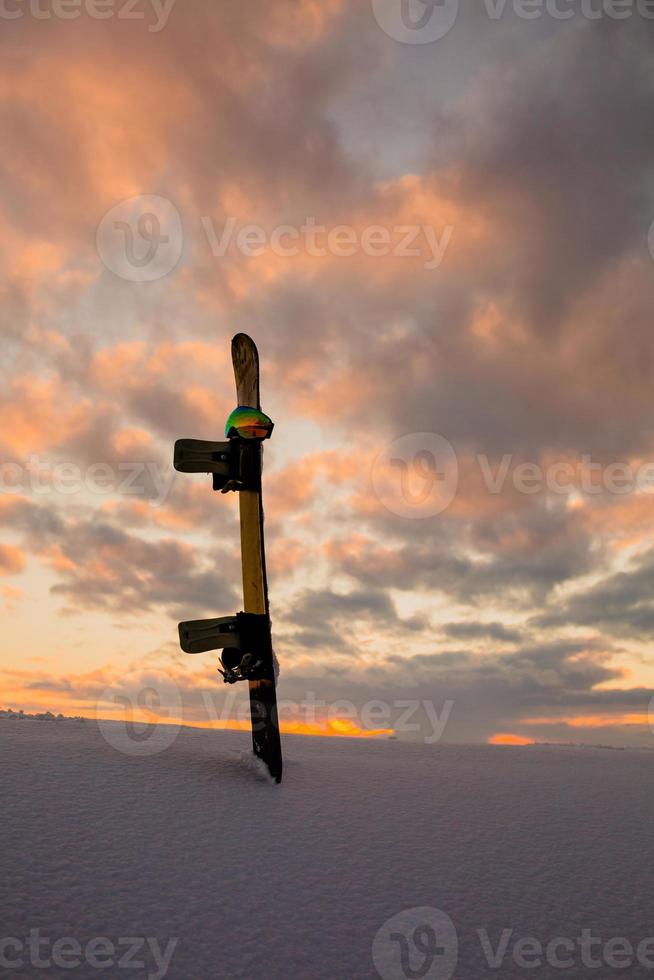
{"type": "Point", "coordinates": [338, 727]}
{"type": "Point", "coordinates": [505, 738]}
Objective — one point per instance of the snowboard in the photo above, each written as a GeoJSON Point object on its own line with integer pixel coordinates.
{"type": "Point", "coordinates": [266, 742]}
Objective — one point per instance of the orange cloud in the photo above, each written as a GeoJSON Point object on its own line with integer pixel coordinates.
{"type": "Point", "coordinates": [593, 721]}
{"type": "Point", "coordinates": [57, 560]}
{"type": "Point", "coordinates": [191, 506]}
{"type": "Point", "coordinates": [132, 363]}
{"type": "Point", "coordinates": [12, 560]}
{"type": "Point", "coordinates": [286, 555]}
{"type": "Point", "coordinates": [129, 441]}
{"type": "Point", "coordinates": [38, 413]}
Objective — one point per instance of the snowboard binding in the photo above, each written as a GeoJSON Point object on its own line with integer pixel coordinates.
{"type": "Point", "coordinates": [238, 666]}
{"type": "Point", "coordinates": [244, 640]}
{"type": "Point", "coordinates": [234, 465]}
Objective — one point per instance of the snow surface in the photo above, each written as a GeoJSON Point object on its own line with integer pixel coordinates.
{"type": "Point", "coordinates": [295, 881]}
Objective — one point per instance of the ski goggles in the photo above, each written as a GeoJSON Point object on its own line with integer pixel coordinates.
{"type": "Point", "coordinates": [248, 423]}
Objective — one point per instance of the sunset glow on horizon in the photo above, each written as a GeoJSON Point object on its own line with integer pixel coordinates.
{"type": "Point", "coordinates": [503, 738]}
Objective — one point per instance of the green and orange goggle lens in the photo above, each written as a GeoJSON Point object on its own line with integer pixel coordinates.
{"type": "Point", "coordinates": [248, 423]}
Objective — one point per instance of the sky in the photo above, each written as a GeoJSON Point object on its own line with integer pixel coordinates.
{"type": "Point", "coordinates": [436, 223]}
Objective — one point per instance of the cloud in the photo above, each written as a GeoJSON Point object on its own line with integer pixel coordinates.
{"type": "Point", "coordinates": [12, 560]}
{"type": "Point", "coordinates": [100, 566]}
{"type": "Point", "coordinates": [473, 631]}
{"type": "Point", "coordinates": [520, 557]}
{"type": "Point", "coordinates": [105, 568]}
{"type": "Point", "coordinates": [532, 338]}
{"type": "Point", "coordinates": [622, 604]}
{"type": "Point", "coordinates": [329, 621]}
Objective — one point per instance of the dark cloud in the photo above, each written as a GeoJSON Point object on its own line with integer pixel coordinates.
{"type": "Point", "coordinates": [482, 631]}
{"type": "Point", "coordinates": [329, 621]}
{"type": "Point", "coordinates": [518, 558]}
{"type": "Point", "coordinates": [39, 523]}
{"type": "Point", "coordinates": [621, 604]}
{"type": "Point", "coordinates": [118, 572]}
{"type": "Point", "coordinates": [103, 567]}
{"type": "Point", "coordinates": [555, 682]}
